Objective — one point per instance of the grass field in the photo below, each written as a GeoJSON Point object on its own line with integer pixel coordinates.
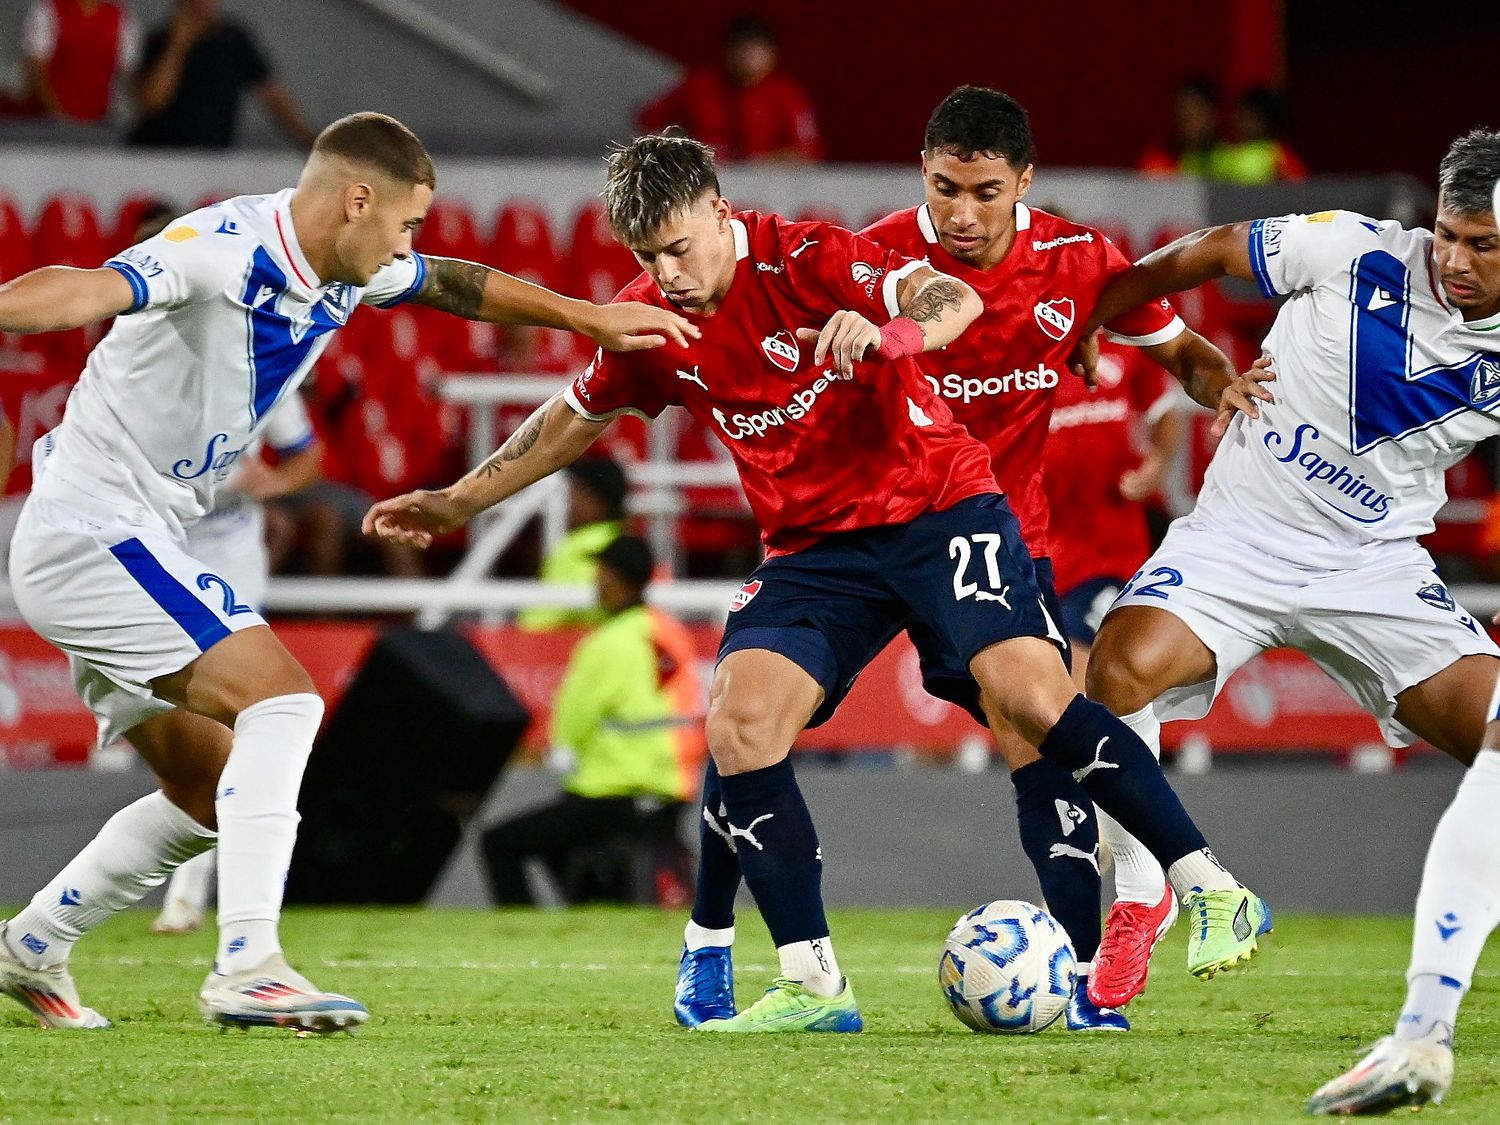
{"type": "Point", "coordinates": [512, 1016]}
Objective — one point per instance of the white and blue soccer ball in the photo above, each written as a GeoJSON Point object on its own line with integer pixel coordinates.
{"type": "Point", "coordinates": [1008, 967]}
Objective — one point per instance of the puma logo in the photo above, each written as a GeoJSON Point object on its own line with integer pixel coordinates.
{"type": "Point", "coordinates": [804, 246]}
{"type": "Point", "coordinates": [748, 833]}
{"type": "Point", "coordinates": [1068, 851]}
{"type": "Point", "coordinates": [713, 825]}
{"type": "Point", "coordinates": [1098, 763]}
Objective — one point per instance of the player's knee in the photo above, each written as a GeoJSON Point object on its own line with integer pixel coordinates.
{"type": "Point", "coordinates": [1120, 677]}
{"type": "Point", "coordinates": [743, 733]}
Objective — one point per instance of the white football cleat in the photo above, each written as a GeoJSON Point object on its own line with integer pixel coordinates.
{"type": "Point", "coordinates": [49, 994]}
{"type": "Point", "coordinates": [273, 994]}
{"type": "Point", "coordinates": [178, 916]}
{"type": "Point", "coordinates": [1396, 1072]}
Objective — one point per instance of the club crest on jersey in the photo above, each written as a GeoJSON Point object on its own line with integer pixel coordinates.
{"type": "Point", "coordinates": [1436, 594]}
{"type": "Point", "coordinates": [1055, 317]}
{"type": "Point", "coordinates": [335, 300]}
{"type": "Point", "coordinates": [1486, 383]}
{"type": "Point", "coordinates": [744, 594]}
{"type": "Point", "coordinates": [782, 350]}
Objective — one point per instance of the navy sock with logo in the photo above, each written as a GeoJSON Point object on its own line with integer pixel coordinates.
{"type": "Point", "coordinates": [1124, 779]}
{"type": "Point", "coordinates": [1060, 835]}
{"type": "Point", "coordinates": [778, 851]}
{"type": "Point", "coordinates": [718, 865]}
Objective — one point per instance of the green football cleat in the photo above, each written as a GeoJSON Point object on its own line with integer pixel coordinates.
{"type": "Point", "coordinates": [788, 1006]}
{"type": "Point", "coordinates": [1223, 928]}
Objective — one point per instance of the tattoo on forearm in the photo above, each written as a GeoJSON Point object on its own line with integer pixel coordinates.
{"type": "Point", "coordinates": [520, 442]}
{"type": "Point", "coordinates": [454, 286]}
{"type": "Point", "coordinates": [932, 300]}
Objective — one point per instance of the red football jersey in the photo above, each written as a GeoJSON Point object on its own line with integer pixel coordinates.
{"type": "Point", "coordinates": [1096, 532]}
{"type": "Point", "coordinates": [1000, 376]}
{"type": "Point", "coordinates": [816, 454]}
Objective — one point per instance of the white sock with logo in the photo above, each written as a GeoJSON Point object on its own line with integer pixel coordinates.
{"type": "Point", "coordinates": [136, 850]}
{"type": "Point", "coordinates": [812, 963]}
{"type": "Point", "coordinates": [1138, 877]}
{"type": "Point", "coordinates": [257, 810]}
{"type": "Point", "coordinates": [1458, 903]}
{"type": "Point", "coordinates": [697, 937]}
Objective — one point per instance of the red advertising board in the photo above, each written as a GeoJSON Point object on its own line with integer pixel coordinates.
{"type": "Point", "coordinates": [1280, 702]}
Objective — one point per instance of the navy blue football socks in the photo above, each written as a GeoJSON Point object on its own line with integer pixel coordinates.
{"type": "Point", "coordinates": [1060, 835]}
{"type": "Point", "coordinates": [1123, 778]}
{"type": "Point", "coordinates": [778, 851]}
{"type": "Point", "coordinates": [718, 866]}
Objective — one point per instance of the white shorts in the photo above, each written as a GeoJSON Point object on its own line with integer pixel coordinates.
{"type": "Point", "coordinates": [1376, 630]}
{"type": "Point", "coordinates": [117, 592]}
{"type": "Point", "coordinates": [232, 544]}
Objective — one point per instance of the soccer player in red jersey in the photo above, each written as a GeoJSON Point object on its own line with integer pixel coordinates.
{"type": "Point", "coordinates": [879, 513]}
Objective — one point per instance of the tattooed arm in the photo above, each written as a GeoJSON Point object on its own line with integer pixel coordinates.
{"type": "Point", "coordinates": [553, 437]}
{"type": "Point", "coordinates": [477, 292]}
{"type": "Point", "coordinates": [934, 309]}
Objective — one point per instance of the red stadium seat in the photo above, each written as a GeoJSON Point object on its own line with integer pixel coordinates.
{"type": "Point", "coordinates": [598, 267]}
{"type": "Point", "coordinates": [449, 232]}
{"type": "Point", "coordinates": [127, 219]}
{"type": "Point", "coordinates": [523, 245]}
{"type": "Point", "coordinates": [15, 243]}
{"type": "Point", "coordinates": [67, 232]}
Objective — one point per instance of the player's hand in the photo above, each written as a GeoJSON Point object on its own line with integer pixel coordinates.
{"type": "Point", "coordinates": [1144, 481]}
{"type": "Point", "coordinates": [632, 327]}
{"type": "Point", "coordinates": [1242, 393]}
{"type": "Point", "coordinates": [415, 518]}
{"type": "Point", "coordinates": [844, 339]}
{"type": "Point", "coordinates": [1084, 362]}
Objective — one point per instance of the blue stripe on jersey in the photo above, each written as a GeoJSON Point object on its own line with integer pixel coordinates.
{"type": "Point", "coordinates": [1388, 400]}
{"type": "Point", "coordinates": [412, 290]}
{"type": "Point", "coordinates": [277, 345]}
{"type": "Point", "coordinates": [176, 600]}
{"type": "Point", "coordinates": [137, 285]}
{"type": "Point", "coordinates": [1258, 258]}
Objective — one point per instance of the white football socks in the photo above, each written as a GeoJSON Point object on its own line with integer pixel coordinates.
{"type": "Point", "coordinates": [1459, 901]}
{"type": "Point", "coordinates": [812, 963]}
{"type": "Point", "coordinates": [190, 882]}
{"type": "Point", "coordinates": [697, 937]}
{"type": "Point", "coordinates": [1138, 877]}
{"type": "Point", "coordinates": [257, 811]}
{"type": "Point", "coordinates": [136, 850]}
{"type": "Point", "coordinates": [1200, 871]}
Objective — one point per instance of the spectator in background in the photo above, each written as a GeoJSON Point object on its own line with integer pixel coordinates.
{"type": "Point", "coordinates": [596, 512]}
{"type": "Point", "coordinates": [74, 50]}
{"type": "Point", "coordinates": [629, 716]}
{"type": "Point", "coordinates": [1258, 156]}
{"type": "Point", "coordinates": [193, 74]}
{"type": "Point", "coordinates": [1195, 132]}
{"type": "Point", "coordinates": [746, 110]}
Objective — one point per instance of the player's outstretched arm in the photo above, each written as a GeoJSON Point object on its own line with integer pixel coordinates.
{"type": "Point", "coordinates": [1202, 369]}
{"type": "Point", "coordinates": [477, 292]}
{"type": "Point", "coordinates": [553, 437]}
{"type": "Point", "coordinates": [56, 298]}
{"type": "Point", "coordinates": [1185, 264]}
{"type": "Point", "coordinates": [933, 309]}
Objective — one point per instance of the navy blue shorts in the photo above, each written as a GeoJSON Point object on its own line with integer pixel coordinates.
{"type": "Point", "coordinates": [959, 580]}
{"type": "Point", "coordinates": [1084, 606]}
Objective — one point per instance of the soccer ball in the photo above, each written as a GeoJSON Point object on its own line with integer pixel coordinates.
{"type": "Point", "coordinates": [1007, 967]}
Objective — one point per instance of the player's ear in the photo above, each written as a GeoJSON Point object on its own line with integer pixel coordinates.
{"type": "Point", "coordinates": [359, 200]}
{"type": "Point", "coordinates": [722, 211]}
{"type": "Point", "coordinates": [1023, 183]}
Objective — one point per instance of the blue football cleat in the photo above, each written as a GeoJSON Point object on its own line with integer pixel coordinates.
{"type": "Point", "coordinates": [705, 985]}
{"type": "Point", "coordinates": [1084, 1015]}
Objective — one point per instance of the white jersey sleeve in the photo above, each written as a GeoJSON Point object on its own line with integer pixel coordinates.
{"type": "Point", "coordinates": [182, 265]}
{"type": "Point", "coordinates": [288, 428]}
{"type": "Point", "coordinates": [395, 283]}
{"type": "Point", "coordinates": [1295, 252]}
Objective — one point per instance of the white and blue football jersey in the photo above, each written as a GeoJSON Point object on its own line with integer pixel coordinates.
{"type": "Point", "coordinates": [228, 319]}
{"type": "Point", "coordinates": [1381, 385]}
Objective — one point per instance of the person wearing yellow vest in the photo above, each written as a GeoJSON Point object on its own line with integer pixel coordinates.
{"type": "Point", "coordinates": [630, 713]}
{"type": "Point", "coordinates": [596, 511]}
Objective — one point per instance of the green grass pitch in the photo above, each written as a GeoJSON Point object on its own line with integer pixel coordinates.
{"type": "Point", "coordinates": [519, 1016]}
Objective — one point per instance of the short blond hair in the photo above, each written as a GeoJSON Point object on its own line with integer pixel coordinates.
{"type": "Point", "coordinates": [380, 142]}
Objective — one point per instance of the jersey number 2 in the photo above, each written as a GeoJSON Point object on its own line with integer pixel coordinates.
{"type": "Point", "coordinates": [1165, 578]}
{"type": "Point", "coordinates": [231, 607]}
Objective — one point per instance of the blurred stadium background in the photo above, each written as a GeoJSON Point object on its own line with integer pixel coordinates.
{"type": "Point", "coordinates": [517, 99]}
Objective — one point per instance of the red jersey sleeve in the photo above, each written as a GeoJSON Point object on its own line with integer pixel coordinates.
{"type": "Point", "coordinates": [1153, 323]}
{"type": "Point", "coordinates": [849, 271]}
{"type": "Point", "coordinates": [618, 383]}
